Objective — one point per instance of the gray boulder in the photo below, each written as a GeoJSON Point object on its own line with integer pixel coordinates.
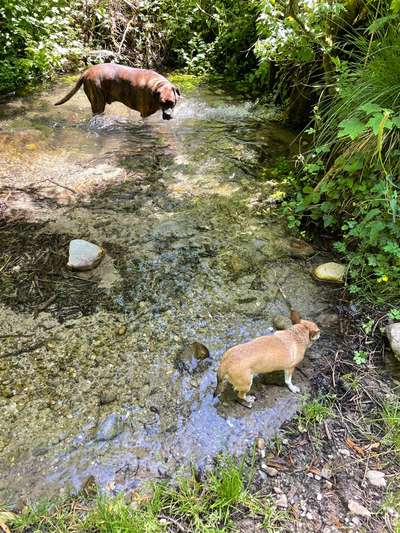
{"type": "Point", "coordinates": [393, 334]}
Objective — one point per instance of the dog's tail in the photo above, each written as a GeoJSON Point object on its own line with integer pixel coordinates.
{"type": "Point", "coordinates": [71, 93]}
{"type": "Point", "coordinates": [220, 383]}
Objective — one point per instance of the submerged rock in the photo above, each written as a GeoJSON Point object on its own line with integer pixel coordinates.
{"type": "Point", "coordinates": [393, 334]}
{"type": "Point", "coordinates": [281, 322]}
{"type": "Point", "coordinates": [84, 255]}
{"type": "Point", "coordinates": [299, 248]}
{"type": "Point", "coordinates": [110, 427]}
{"type": "Point", "coordinates": [328, 320]}
{"type": "Point", "coordinates": [188, 358]}
{"type": "Point", "coordinates": [333, 272]}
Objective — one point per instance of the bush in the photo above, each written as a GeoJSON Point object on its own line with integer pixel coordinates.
{"type": "Point", "coordinates": [350, 182]}
{"type": "Point", "coordinates": [36, 39]}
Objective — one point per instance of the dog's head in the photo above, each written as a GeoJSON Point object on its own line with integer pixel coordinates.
{"type": "Point", "coordinates": [313, 330]}
{"type": "Point", "coordinates": [168, 96]}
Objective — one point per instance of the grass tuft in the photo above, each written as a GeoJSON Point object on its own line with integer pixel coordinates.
{"type": "Point", "coordinates": [211, 506]}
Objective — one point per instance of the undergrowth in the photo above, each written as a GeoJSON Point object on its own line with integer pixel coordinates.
{"type": "Point", "coordinates": [348, 183]}
{"type": "Point", "coordinates": [209, 506]}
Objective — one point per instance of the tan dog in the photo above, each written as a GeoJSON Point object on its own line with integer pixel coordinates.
{"type": "Point", "coordinates": [143, 90]}
{"type": "Point", "coordinates": [281, 351]}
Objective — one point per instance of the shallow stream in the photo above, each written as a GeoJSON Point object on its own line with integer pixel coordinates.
{"type": "Point", "coordinates": [98, 374]}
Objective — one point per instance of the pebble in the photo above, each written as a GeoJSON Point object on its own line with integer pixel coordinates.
{"type": "Point", "coordinates": [84, 255]}
{"type": "Point", "coordinates": [260, 443]}
{"type": "Point", "coordinates": [282, 501]}
{"type": "Point", "coordinates": [271, 471]}
{"type": "Point", "coordinates": [107, 397]}
{"type": "Point", "coordinates": [121, 330]}
{"type": "Point", "coordinates": [326, 472]}
{"type": "Point", "coordinates": [376, 478]}
{"type": "Point", "coordinates": [344, 452]}
{"type": "Point", "coordinates": [358, 509]}
{"type": "Point", "coordinates": [299, 248]}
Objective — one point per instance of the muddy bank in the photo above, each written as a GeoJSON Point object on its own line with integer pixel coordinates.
{"type": "Point", "coordinates": [92, 384]}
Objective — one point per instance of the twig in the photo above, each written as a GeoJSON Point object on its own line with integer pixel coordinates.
{"type": "Point", "coordinates": [44, 305]}
{"type": "Point", "coordinates": [25, 349]}
{"type": "Point", "coordinates": [62, 186]}
{"type": "Point", "coordinates": [16, 335]}
{"type": "Point", "coordinates": [328, 433]}
{"type": "Point", "coordinates": [173, 521]}
{"type": "Point", "coordinates": [124, 35]}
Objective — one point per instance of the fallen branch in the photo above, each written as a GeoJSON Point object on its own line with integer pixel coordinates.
{"type": "Point", "coordinates": [25, 349]}
{"type": "Point", "coordinates": [44, 305]}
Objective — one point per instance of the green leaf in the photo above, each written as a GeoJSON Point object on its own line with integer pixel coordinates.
{"type": "Point", "coordinates": [329, 220]}
{"type": "Point", "coordinates": [375, 122]}
{"type": "Point", "coordinates": [396, 121]}
{"type": "Point", "coordinates": [380, 22]}
{"type": "Point", "coordinates": [372, 214]}
{"type": "Point", "coordinates": [354, 164]}
{"type": "Point", "coordinates": [370, 108]}
{"type": "Point", "coordinates": [351, 127]}
{"type": "Point", "coordinates": [395, 6]}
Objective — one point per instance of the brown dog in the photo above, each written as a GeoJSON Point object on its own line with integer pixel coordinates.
{"type": "Point", "coordinates": [143, 90]}
{"type": "Point", "coordinates": [281, 351]}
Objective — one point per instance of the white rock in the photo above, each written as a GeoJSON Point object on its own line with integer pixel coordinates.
{"type": "Point", "coordinates": [376, 478]}
{"type": "Point", "coordinates": [281, 501]}
{"type": "Point", "coordinates": [84, 255]}
{"type": "Point", "coordinates": [326, 472]}
{"type": "Point", "coordinates": [270, 470]}
{"type": "Point", "coordinates": [330, 272]}
{"type": "Point", "coordinates": [393, 334]}
{"type": "Point", "coordinates": [260, 443]}
{"type": "Point", "coordinates": [344, 451]}
{"type": "Point", "coordinates": [358, 509]}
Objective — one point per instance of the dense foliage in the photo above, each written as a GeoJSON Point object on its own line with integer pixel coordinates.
{"type": "Point", "coordinates": [334, 62]}
{"type": "Point", "coordinates": [350, 180]}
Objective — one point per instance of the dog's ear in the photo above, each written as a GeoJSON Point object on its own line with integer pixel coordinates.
{"type": "Point", "coordinates": [295, 316]}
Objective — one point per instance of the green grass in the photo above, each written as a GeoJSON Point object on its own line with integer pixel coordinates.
{"type": "Point", "coordinates": [185, 82]}
{"type": "Point", "coordinates": [210, 506]}
{"type": "Point", "coordinates": [391, 421]}
{"type": "Point", "coordinates": [314, 412]}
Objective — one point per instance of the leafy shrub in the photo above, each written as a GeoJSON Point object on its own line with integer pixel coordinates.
{"type": "Point", "coordinates": [350, 182]}
{"type": "Point", "coordinates": [36, 38]}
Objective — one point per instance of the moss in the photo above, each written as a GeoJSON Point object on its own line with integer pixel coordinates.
{"type": "Point", "coordinates": [185, 82]}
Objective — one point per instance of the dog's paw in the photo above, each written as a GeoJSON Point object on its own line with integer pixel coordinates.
{"type": "Point", "coordinates": [294, 388]}
{"type": "Point", "coordinates": [247, 402]}
{"type": "Point", "coordinates": [250, 399]}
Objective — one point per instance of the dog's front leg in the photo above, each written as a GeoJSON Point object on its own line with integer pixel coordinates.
{"type": "Point", "coordinates": [288, 380]}
{"type": "Point", "coordinates": [247, 400]}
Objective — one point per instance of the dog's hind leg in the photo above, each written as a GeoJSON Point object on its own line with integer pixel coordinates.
{"type": "Point", "coordinates": [288, 380]}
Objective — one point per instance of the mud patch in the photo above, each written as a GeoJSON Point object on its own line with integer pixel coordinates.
{"type": "Point", "coordinates": [34, 276]}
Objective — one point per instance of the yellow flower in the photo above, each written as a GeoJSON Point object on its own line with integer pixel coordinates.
{"type": "Point", "coordinates": [382, 278]}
